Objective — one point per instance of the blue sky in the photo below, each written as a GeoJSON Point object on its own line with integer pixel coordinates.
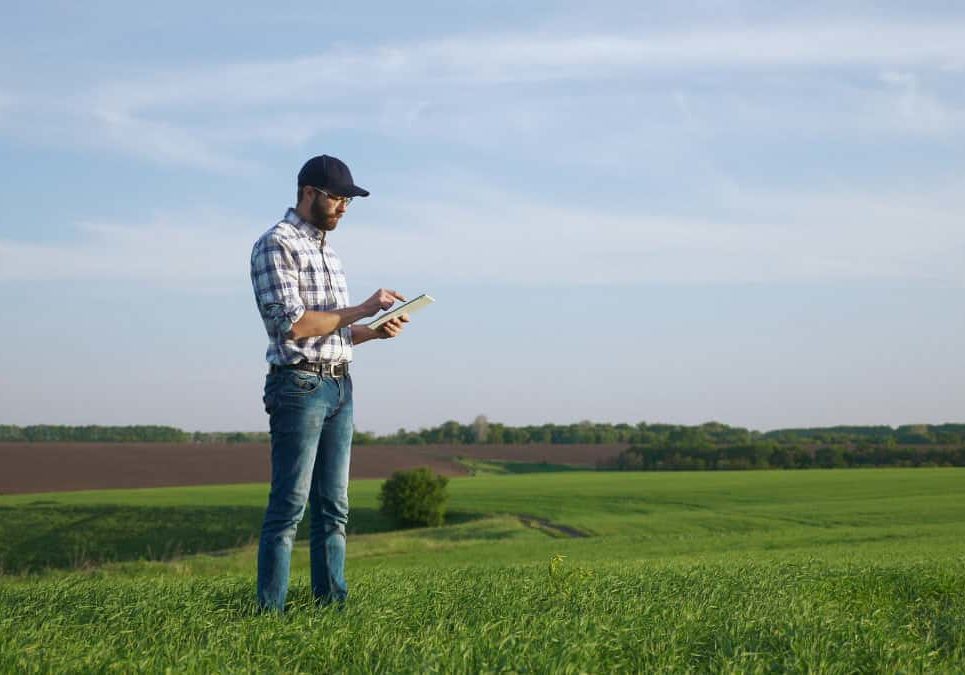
{"type": "Point", "coordinates": [667, 212]}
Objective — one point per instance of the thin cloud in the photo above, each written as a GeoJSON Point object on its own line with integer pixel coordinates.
{"type": "Point", "coordinates": [174, 250]}
{"type": "Point", "coordinates": [858, 238]}
{"type": "Point", "coordinates": [164, 142]}
{"type": "Point", "coordinates": [212, 117]}
{"type": "Point", "coordinates": [476, 60]}
{"type": "Point", "coordinates": [767, 236]}
{"type": "Point", "coordinates": [917, 109]}
{"type": "Point", "coordinates": [772, 237]}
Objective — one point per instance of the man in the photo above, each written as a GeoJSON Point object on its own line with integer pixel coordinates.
{"type": "Point", "coordinates": [303, 300]}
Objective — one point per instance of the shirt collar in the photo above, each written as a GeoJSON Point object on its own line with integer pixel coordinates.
{"type": "Point", "coordinates": [303, 226]}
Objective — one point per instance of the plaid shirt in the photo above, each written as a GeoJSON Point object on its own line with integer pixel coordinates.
{"type": "Point", "coordinates": [294, 270]}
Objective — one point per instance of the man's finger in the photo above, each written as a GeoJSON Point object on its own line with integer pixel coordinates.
{"type": "Point", "coordinates": [393, 327]}
{"type": "Point", "coordinates": [398, 295]}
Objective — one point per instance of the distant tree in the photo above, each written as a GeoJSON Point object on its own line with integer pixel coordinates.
{"type": "Point", "coordinates": [495, 433]}
{"type": "Point", "coordinates": [830, 457]}
{"type": "Point", "coordinates": [9, 432]}
{"type": "Point", "coordinates": [780, 458]}
{"type": "Point", "coordinates": [450, 432]}
{"type": "Point", "coordinates": [802, 458]}
{"type": "Point", "coordinates": [914, 434]}
{"type": "Point", "coordinates": [363, 437]}
{"type": "Point", "coordinates": [480, 429]}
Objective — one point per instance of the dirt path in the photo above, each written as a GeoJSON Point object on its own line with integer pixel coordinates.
{"type": "Point", "coordinates": [551, 528]}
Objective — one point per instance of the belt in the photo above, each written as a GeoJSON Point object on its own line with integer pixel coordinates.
{"type": "Point", "coordinates": [325, 368]}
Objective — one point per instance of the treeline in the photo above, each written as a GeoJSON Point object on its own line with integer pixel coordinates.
{"type": "Point", "coordinates": [481, 430]}
{"type": "Point", "coordinates": [653, 435]}
{"type": "Point", "coordinates": [770, 455]}
{"type": "Point", "coordinates": [129, 434]}
{"type": "Point", "coordinates": [655, 438]}
{"type": "Point", "coordinates": [690, 448]}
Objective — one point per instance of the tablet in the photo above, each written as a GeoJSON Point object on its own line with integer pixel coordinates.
{"type": "Point", "coordinates": [413, 305]}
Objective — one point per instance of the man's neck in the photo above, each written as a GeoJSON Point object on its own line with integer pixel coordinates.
{"type": "Point", "coordinates": [304, 219]}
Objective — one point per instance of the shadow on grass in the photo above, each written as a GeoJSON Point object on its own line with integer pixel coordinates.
{"type": "Point", "coordinates": [371, 521]}
{"type": "Point", "coordinates": [503, 467]}
{"type": "Point", "coordinates": [490, 532]}
{"type": "Point", "coordinates": [38, 536]}
{"type": "Point", "coordinates": [42, 536]}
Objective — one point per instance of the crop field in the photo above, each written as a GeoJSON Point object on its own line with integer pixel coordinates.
{"type": "Point", "coordinates": [772, 571]}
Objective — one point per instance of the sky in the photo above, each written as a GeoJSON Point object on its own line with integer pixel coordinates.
{"type": "Point", "coordinates": [676, 212]}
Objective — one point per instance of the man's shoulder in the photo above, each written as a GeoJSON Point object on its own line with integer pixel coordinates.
{"type": "Point", "coordinates": [282, 232]}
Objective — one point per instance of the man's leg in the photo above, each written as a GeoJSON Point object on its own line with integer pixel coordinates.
{"type": "Point", "coordinates": [297, 403]}
{"type": "Point", "coordinates": [329, 500]}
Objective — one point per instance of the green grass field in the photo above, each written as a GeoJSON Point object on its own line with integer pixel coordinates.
{"type": "Point", "coordinates": [823, 571]}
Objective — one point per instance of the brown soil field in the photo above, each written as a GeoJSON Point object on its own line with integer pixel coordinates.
{"type": "Point", "coordinates": [56, 467]}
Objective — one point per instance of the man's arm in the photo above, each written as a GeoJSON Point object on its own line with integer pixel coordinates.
{"type": "Point", "coordinates": [313, 323]}
{"type": "Point", "coordinates": [324, 323]}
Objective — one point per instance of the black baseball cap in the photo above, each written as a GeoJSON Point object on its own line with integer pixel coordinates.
{"type": "Point", "coordinates": [330, 174]}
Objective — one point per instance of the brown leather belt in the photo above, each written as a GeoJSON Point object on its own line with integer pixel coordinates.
{"type": "Point", "coordinates": [325, 369]}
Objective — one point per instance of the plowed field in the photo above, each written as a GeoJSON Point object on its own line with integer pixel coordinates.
{"type": "Point", "coordinates": [53, 467]}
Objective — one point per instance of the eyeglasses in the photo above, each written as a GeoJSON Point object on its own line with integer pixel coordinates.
{"type": "Point", "coordinates": [335, 198]}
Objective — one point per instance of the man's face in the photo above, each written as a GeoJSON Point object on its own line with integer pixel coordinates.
{"type": "Point", "coordinates": [325, 211]}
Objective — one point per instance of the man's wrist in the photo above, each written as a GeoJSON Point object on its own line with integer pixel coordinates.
{"type": "Point", "coordinates": [361, 333]}
{"type": "Point", "coordinates": [356, 313]}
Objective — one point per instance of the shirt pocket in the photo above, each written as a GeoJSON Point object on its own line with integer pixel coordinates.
{"type": "Point", "coordinates": [315, 285]}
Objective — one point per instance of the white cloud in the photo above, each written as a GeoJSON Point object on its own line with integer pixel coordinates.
{"type": "Point", "coordinates": [201, 250]}
{"type": "Point", "coordinates": [917, 109]}
{"type": "Point", "coordinates": [163, 142]}
{"type": "Point", "coordinates": [464, 88]}
{"type": "Point", "coordinates": [478, 234]}
{"type": "Point", "coordinates": [781, 238]}
{"type": "Point", "coordinates": [475, 60]}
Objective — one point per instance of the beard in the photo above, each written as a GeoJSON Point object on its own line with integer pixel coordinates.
{"type": "Point", "coordinates": [321, 218]}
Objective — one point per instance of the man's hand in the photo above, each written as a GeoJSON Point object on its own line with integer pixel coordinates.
{"type": "Point", "coordinates": [392, 328]}
{"type": "Point", "coordinates": [381, 299]}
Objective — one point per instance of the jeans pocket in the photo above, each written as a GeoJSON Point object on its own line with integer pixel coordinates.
{"type": "Point", "coordinates": [300, 382]}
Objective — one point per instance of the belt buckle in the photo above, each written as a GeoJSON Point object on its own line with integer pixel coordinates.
{"type": "Point", "coordinates": [329, 370]}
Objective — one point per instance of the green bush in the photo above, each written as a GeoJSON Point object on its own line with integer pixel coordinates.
{"type": "Point", "coordinates": [415, 497]}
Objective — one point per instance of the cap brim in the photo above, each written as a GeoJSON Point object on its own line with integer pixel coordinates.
{"type": "Point", "coordinates": [352, 191]}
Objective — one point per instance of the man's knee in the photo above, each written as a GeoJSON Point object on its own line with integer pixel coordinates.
{"type": "Point", "coordinates": [331, 516]}
{"type": "Point", "coordinates": [285, 511]}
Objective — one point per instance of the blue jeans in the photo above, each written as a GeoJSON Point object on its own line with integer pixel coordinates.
{"type": "Point", "coordinates": [311, 441]}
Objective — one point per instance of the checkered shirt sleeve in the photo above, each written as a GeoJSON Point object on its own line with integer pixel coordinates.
{"type": "Point", "coordinates": [274, 278]}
